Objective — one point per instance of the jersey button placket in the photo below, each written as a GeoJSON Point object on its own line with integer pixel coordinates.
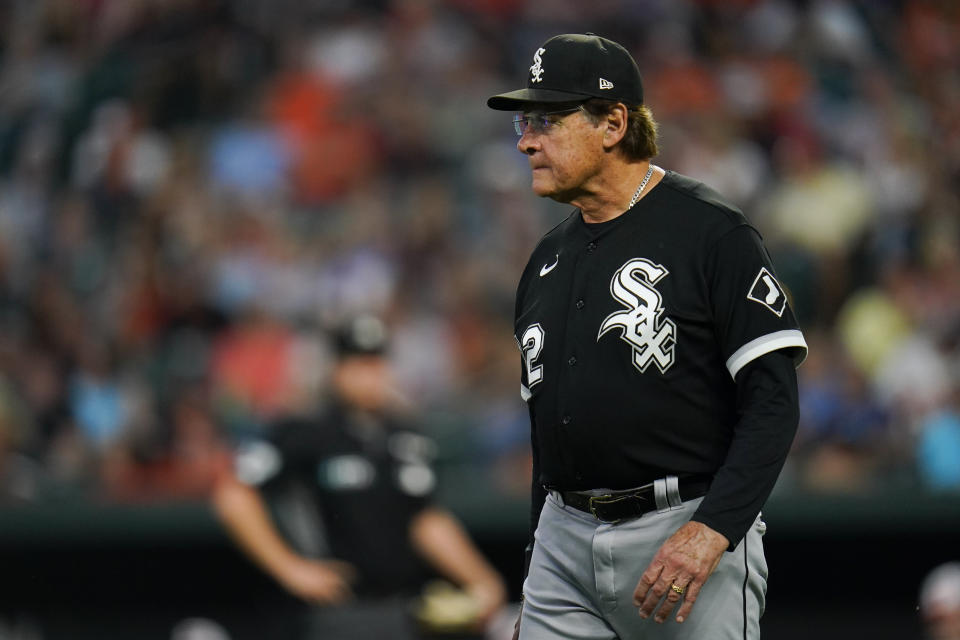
{"type": "Point", "coordinates": [566, 419]}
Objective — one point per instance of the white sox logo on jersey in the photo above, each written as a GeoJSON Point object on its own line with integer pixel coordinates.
{"type": "Point", "coordinates": [652, 337]}
{"type": "Point", "coordinates": [536, 70]}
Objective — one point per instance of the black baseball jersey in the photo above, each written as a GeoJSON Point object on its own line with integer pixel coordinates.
{"type": "Point", "coordinates": [367, 478]}
{"type": "Point", "coordinates": [633, 332]}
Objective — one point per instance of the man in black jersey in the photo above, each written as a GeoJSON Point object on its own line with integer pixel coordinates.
{"type": "Point", "coordinates": [365, 534]}
{"type": "Point", "coordinates": [658, 364]}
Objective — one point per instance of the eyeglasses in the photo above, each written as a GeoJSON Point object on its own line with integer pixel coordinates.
{"type": "Point", "coordinates": [539, 121]}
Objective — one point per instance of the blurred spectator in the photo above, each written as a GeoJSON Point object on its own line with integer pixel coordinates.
{"type": "Point", "coordinates": [940, 602]}
{"type": "Point", "coordinates": [20, 477]}
{"type": "Point", "coordinates": [97, 401]}
{"type": "Point", "coordinates": [250, 160]}
{"type": "Point", "coordinates": [843, 437]}
{"type": "Point", "coordinates": [938, 449]}
{"type": "Point", "coordinates": [332, 145]}
{"type": "Point", "coordinates": [252, 369]}
{"type": "Point", "coordinates": [179, 459]}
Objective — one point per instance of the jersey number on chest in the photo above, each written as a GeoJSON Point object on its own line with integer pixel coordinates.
{"type": "Point", "coordinates": [531, 344]}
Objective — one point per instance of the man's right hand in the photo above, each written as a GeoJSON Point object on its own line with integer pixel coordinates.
{"type": "Point", "coordinates": [319, 582]}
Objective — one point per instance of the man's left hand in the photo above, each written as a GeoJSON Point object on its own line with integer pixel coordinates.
{"type": "Point", "coordinates": [679, 570]}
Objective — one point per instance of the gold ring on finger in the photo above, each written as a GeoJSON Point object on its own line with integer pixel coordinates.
{"type": "Point", "coordinates": [677, 588]}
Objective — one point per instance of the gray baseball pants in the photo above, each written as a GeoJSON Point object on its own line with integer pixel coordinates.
{"type": "Point", "coordinates": [583, 573]}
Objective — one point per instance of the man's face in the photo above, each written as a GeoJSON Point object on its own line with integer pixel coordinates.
{"type": "Point", "coordinates": [564, 149]}
{"type": "Point", "coordinates": [363, 381]}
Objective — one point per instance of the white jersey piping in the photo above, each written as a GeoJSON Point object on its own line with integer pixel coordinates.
{"type": "Point", "coordinates": [764, 345]}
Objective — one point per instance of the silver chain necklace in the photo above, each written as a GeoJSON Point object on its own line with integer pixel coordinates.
{"type": "Point", "coordinates": [636, 196]}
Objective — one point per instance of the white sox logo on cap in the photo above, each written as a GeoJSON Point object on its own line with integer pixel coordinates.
{"type": "Point", "coordinates": [536, 69]}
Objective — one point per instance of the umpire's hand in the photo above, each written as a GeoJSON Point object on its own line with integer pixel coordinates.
{"type": "Point", "coordinates": [679, 570]}
{"type": "Point", "coordinates": [318, 582]}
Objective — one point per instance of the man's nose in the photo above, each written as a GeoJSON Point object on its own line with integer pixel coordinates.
{"type": "Point", "coordinates": [528, 143]}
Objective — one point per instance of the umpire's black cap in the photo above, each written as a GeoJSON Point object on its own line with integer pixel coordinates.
{"type": "Point", "coordinates": [575, 67]}
{"type": "Point", "coordinates": [362, 335]}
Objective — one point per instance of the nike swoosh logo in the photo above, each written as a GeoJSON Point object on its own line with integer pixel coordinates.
{"type": "Point", "coordinates": [545, 269]}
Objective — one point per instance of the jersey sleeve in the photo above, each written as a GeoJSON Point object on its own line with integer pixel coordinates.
{"type": "Point", "coordinates": [263, 462]}
{"type": "Point", "coordinates": [751, 309]}
{"type": "Point", "coordinates": [769, 412]}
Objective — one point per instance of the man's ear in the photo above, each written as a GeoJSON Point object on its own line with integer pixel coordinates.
{"type": "Point", "coordinates": [615, 126]}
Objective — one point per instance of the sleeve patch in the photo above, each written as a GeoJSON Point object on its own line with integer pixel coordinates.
{"type": "Point", "coordinates": [257, 462]}
{"type": "Point", "coordinates": [768, 292]}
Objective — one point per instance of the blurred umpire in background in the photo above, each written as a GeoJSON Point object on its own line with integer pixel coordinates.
{"type": "Point", "coordinates": [659, 356]}
{"type": "Point", "coordinates": [362, 547]}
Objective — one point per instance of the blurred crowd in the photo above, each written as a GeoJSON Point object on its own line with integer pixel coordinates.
{"type": "Point", "coordinates": [194, 193]}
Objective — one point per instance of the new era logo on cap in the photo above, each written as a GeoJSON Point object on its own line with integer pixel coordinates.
{"type": "Point", "coordinates": [575, 67]}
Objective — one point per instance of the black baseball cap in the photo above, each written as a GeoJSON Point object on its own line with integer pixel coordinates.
{"type": "Point", "coordinates": [362, 335]}
{"type": "Point", "coordinates": [575, 67]}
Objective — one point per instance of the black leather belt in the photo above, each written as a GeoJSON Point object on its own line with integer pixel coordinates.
{"type": "Point", "coordinates": [629, 503]}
